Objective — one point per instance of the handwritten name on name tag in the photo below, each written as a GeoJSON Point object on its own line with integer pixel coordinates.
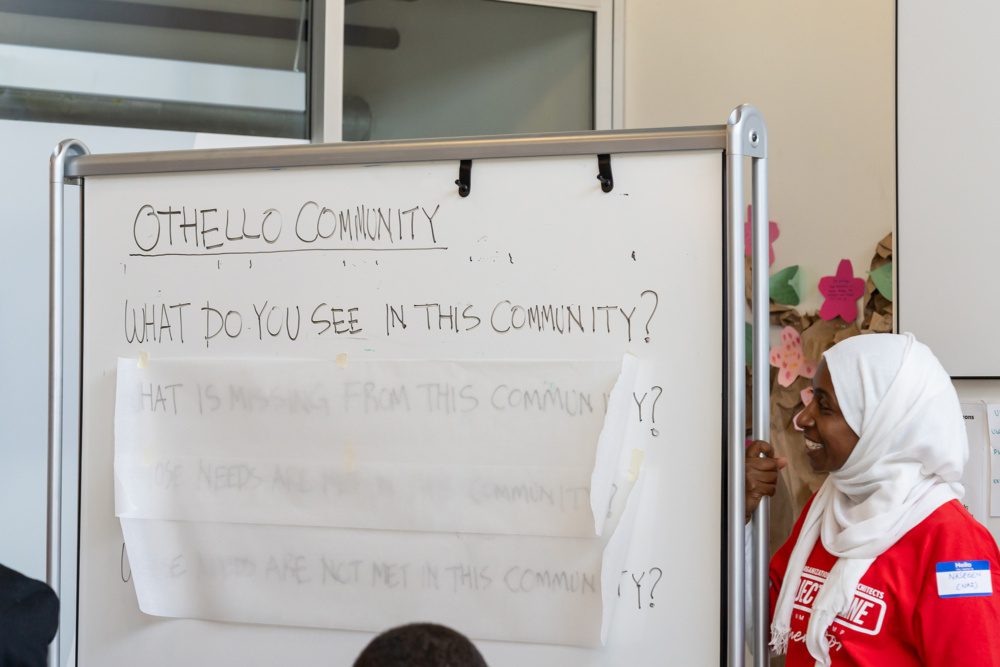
{"type": "Point", "coordinates": [964, 578]}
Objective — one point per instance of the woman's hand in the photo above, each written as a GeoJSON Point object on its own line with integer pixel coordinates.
{"type": "Point", "coordinates": [761, 473]}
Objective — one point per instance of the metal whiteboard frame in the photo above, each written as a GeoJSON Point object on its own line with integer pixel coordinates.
{"type": "Point", "coordinates": [53, 544]}
{"type": "Point", "coordinates": [743, 137]}
{"type": "Point", "coordinates": [748, 139]}
{"type": "Point", "coordinates": [421, 150]}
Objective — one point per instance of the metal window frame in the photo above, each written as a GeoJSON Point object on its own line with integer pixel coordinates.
{"type": "Point", "coordinates": [326, 66]}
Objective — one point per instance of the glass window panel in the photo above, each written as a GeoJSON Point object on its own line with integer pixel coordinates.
{"type": "Point", "coordinates": [228, 66]}
{"type": "Point", "coordinates": [433, 68]}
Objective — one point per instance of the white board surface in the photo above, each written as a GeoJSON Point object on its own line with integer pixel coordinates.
{"type": "Point", "coordinates": [948, 232]}
{"type": "Point", "coordinates": [534, 231]}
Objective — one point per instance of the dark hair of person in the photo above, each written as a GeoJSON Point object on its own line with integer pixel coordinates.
{"type": "Point", "coordinates": [420, 645]}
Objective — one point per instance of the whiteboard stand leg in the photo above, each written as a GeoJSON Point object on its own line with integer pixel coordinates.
{"type": "Point", "coordinates": [746, 138]}
{"type": "Point", "coordinates": [53, 550]}
{"type": "Point", "coordinates": [735, 418]}
{"type": "Point", "coordinates": [761, 401]}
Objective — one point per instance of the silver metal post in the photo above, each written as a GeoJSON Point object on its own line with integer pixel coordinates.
{"type": "Point", "coordinates": [53, 553]}
{"type": "Point", "coordinates": [761, 402]}
{"type": "Point", "coordinates": [745, 139]}
{"type": "Point", "coordinates": [326, 87]}
{"type": "Point", "coordinates": [735, 418]}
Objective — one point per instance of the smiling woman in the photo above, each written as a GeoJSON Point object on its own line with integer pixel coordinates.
{"type": "Point", "coordinates": [884, 566]}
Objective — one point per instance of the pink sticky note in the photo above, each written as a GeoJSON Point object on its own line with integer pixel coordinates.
{"type": "Point", "coordinates": [790, 361]}
{"type": "Point", "coordinates": [842, 292]}
{"type": "Point", "coordinates": [772, 233]}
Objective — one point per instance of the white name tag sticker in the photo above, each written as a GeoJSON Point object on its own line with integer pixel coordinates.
{"type": "Point", "coordinates": [964, 579]}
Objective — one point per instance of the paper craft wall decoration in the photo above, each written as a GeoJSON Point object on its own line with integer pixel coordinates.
{"type": "Point", "coordinates": [790, 359]}
{"type": "Point", "coordinates": [772, 234]}
{"type": "Point", "coordinates": [882, 277]}
{"type": "Point", "coordinates": [842, 292]}
{"type": "Point", "coordinates": [806, 395]}
{"type": "Point", "coordinates": [784, 286]}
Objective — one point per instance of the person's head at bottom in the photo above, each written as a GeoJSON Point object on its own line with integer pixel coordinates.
{"type": "Point", "coordinates": [420, 645]}
{"type": "Point", "coordinates": [29, 617]}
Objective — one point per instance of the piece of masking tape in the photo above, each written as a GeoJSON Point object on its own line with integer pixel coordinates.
{"type": "Point", "coordinates": [633, 467]}
{"type": "Point", "coordinates": [350, 457]}
{"type": "Point", "coordinates": [341, 360]}
{"type": "Point", "coordinates": [143, 360]}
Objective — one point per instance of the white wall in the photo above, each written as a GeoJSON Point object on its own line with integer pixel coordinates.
{"type": "Point", "coordinates": [822, 73]}
{"type": "Point", "coordinates": [949, 136]}
{"type": "Point", "coordinates": [947, 203]}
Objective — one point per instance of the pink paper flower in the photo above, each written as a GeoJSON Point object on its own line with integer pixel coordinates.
{"type": "Point", "coordinates": [772, 233]}
{"type": "Point", "coordinates": [806, 395]}
{"type": "Point", "coordinates": [790, 360]}
{"type": "Point", "coordinates": [842, 292]}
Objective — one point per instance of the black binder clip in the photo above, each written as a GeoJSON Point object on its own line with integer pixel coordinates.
{"type": "Point", "coordinates": [464, 181]}
{"type": "Point", "coordinates": [604, 172]}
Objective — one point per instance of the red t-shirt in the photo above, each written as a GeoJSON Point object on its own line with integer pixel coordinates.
{"type": "Point", "coordinates": [924, 602]}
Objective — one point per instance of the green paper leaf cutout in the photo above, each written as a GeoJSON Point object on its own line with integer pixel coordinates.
{"type": "Point", "coordinates": [784, 286]}
{"type": "Point", "coordinates": [882, 277]}
{"type": "Point", "coordinates": [748, 341]}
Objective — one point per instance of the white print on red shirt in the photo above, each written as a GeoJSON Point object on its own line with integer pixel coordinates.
{"type": "Point", "coordinates": [832, 642]}
{"type": "Point", "coordinates": [867, 610]}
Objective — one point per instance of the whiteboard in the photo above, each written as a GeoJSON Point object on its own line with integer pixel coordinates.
{"type": "Point", "coordinates": [947, 234]}
{"type": "Point", "coordinates": [533, 231]}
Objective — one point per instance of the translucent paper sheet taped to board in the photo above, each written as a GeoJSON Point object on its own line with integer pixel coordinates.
{"type": "Point", "coordinates": [486, 447]}
{"type": "Point", "coordinates": [527, 589]}
{"type": "Point", "coordinates": [611, 474]}
{"type": "Point", "coordinates": [361, 495]}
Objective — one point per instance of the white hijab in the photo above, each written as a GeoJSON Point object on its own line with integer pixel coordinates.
{"type": "Point", "coordinates": [912, 449]}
